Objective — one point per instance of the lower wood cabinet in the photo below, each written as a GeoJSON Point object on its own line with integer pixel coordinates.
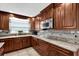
{"type": "Point", "coordinates": [17, 43]}
{"type": "Point", "coordinates": [26, 42]}
{"type": "Point", "coordinates": [34, 42]}
{"type": "Point", "coordinates": [12, 44]}
{"type": "Point", "coordinates": [42, 47]}
{"type": "Point", "coordinates": [47, 49]}
{"type": "Point", "coordinates": [8, 46]}
{"type": "Point", "coordinates": [58, 51]}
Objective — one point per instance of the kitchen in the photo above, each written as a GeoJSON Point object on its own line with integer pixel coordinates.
{"type": "Point", "coordinates": [39, 29]}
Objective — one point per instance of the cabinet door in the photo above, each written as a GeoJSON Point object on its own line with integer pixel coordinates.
{"type": "Point", "coordinates": [58, 20]}
{"type": "Point", "coordinates": [65, 16]}
{"type": "Point", "coordinates": [77, 15]}
{"type": "Point", "coordinates": [58, 51]}
{"type": "Point", "coordinates": [17, 43]}
{"type": "Point", "coordinates": [40, 46]}
{"type": "Point", "coordinates": [70, 16]}
{"type": "Point", "coordinates": [8, 46]}
{"type": "Point", "coordinates": [34, 43]}
{"type": "Point", "coordinates": [52, 52]}
{"type": "Point", "coordinates": [43, 48]}
{"type": "Point", "coordinates": [4, 21]}
{"type": "Point", "coordinates": [25, 42]}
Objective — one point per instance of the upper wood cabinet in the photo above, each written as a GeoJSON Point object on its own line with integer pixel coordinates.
{"type": "Point", "coordinates": [4, 21]}
{"type": "Point", "coordinates": [77, 15]}
{"type": "Point", "coordinates": [12, 44]}
{"type": "Point", "coordinates": [70, 16]}
{"type": "Point", "coordinates": [44, 15]}
{"type": "Point", "coordinates": [65, 16]}
{"type": "Point", "coordinates": [58, 19]}
{"type": "Point", "coordinates": [37, 24]}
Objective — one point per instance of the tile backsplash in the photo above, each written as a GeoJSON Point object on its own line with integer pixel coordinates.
{"type": "Point", "coordinates": [59, 33]}
{"type": "Point", "coordinates": [4, 32]}
{"type": "Point", "coordinates": [70, 36]}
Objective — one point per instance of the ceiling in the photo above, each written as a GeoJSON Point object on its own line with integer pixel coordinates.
{"type": "Point", "coordinates": [27, 9]}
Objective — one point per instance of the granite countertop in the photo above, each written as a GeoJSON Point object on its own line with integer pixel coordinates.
{"type": "Point", "coordinates": [14, 36]}
{"type": "Point", "coordinates": [66, 45]}
{"type": "Point", "coordinates": [1, 44]}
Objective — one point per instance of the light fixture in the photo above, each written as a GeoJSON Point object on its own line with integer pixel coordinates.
{"type": "Point", "coordinates": [11, 15]}
{"type": "Point", "coordinates": [67, 4]}
{"type": "Point", "coordinates": [38, 18]}
{"type": "Point", "coordinates": [33, 19]}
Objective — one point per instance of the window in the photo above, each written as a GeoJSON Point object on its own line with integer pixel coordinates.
{"type": "Point", "coordinates": [16, 24]}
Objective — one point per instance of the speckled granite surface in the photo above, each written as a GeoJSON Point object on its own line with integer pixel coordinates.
{"type": "Point", "coordinates": [66, 45]}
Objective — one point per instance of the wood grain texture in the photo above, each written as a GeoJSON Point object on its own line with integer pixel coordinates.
{"type": "Point", "coordinates": [42, 47]}
{"type": "Point", "coordinates": [65, 15]}
{"type": "Point", "coordinates": [12, 44]}
{"type": "Point", "coordinates": [47, 49]}
{"type": "Point", "coordinates": [4, 21]}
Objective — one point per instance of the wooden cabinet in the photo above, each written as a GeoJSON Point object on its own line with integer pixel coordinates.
{"type": "Point", "coordinates": [44, 15]}
{"type": "Point", "coordinates": [70, 16]}
{"type": "Point", "coordinates": [17, 43]}
{"type": "Point", "coordinates": [58, 20]}
{"type": "Point", "coordinates": [26, 42]}
{"type": "Point", "coordinates": [58, 51]}
{"type": "Point", "coordinates": [40, 46]}
{"type": "Point", "coordinates": [43, 48]}
{"type": "Point", "coordinates": [47, 49]}
{"type": "Point", "coordinates": [4, 21]}
{"type": "Point", "coordinates": [12, 44]}
{"type": "Point", "coordinates": [35, 43]}
{"type": "Point", "coordinates": [52, 51]}
{"type": "Point", "coordinates": [65, 16]}
{"type": "Point", "coordinates": [77, 15]}
{"type": "Point", "coordinates": [8, 46]}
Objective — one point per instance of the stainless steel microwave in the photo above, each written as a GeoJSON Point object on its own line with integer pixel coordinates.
{"type": "Point", "coordinates": [47, 24]}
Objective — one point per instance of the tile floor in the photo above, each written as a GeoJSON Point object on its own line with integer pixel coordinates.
{"type": "Point", "coordinates": [23, 52]}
